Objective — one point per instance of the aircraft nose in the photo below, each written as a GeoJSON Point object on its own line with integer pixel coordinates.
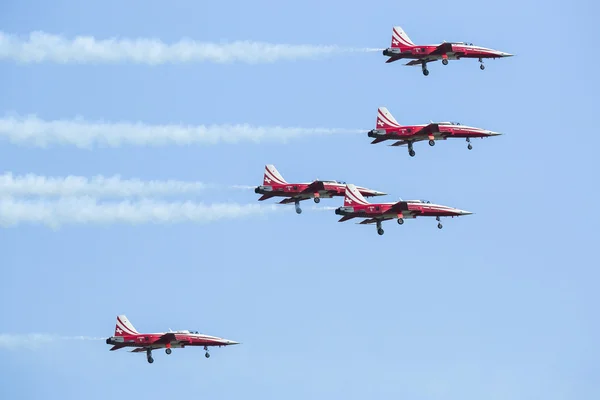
{"type": "Point", "coordinates": [506, 54]}
{"type": "Point", "coordinates": [379, 193]}
{"type": "Point", "coordinates": [231, 342]}
{"type": "Point", "coordinates": [492, 133]}
{"type": "Point", "coordinates": [463, 212]}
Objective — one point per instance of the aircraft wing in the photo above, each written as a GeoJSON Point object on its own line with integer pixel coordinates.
{"type": "Point", "coordinates": [374, 220]}
{"type": "Point", "coordinates": [426, 130]}
{"type": "Point", "coordinates": [306, 193]}
{"type": "Point", "coordinates": [314, 187]}
{"type": "Point", "coordinates": [442, 49]}
{"type": "Point", "coordinates": [293, 199]}
{"type": "Point", "coordinates": [166, 338]}
{"type": "Point", "coordinates": [399, 207]}
{"type": "Point", "coordinates": [422, 60]}
{"type": "Point", "coordinates": [421, 134]}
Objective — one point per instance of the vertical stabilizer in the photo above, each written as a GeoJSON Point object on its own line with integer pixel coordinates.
{"type": "Point", "coordinates": [353, 197]}
{"type": "Point", "coordinates": [124, 327]}
{"type": "Point", "coordinates": [385, 119]}
{"type": "Point", "coordinates": [400, 39]}
{"type": "Point", "coordinates": [272, 176]}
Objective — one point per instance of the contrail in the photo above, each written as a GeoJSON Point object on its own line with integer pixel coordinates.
{"type": "Point", "coordinates": [98, 186]}
{"type": "Point", "coordinates": [33, 131]}
{"type": "Point", "coordinates": [34, 340]}
{"type": "Point", "coordinates": [85, 210]}
{"type": "Point", "coordinates": [44, 47]}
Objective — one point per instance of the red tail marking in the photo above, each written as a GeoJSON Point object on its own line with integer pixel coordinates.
{"type": "Point", "coordinates": [384, 122]}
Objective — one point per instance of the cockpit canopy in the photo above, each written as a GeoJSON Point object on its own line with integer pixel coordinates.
{"type": "Point", "coordinates": [339, 182]}
{"type": "Point", "coordinates": [463, 43]}
{"type": "Point", "coordinates": [187, 331]}
{"type": "Point", "coordinates": [418, 201]}
{"type": "Point", "coordinates": [448, 123]}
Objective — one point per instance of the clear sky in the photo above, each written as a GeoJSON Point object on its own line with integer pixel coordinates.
{"type": "Point", "coordinates": [501, 304]}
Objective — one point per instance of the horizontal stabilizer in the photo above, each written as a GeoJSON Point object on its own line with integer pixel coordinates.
{"type": "Point", "coordinates": [265, 197]}
{"type": "Point", "coordinates": [379, 140]}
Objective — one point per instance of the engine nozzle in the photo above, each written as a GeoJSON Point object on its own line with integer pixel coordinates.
{"type": "Point", "coordinates": [390, 52]}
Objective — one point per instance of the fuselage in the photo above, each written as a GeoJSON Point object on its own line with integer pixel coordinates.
{"type": "Point", "coordinates": [412, 209]}
{"type": "Point", "coordinates": [330, 189]}
{"type": "Point", "coordinates": [181, 339]}
{"type": "Point", "coordinates": [453, 51]}
{"type": "Point", "coordinates": [437, 130]}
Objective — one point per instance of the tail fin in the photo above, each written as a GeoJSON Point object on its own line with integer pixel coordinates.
{"type": "Point", "coordinates": [352, 196]}
{"type": "Point", "coordinates": [385, 119]}
{"type": "Point", "coordinates": [272, 176]}
{"type": "Point", "coordinates": [400, 39]}
{"type": "Point", "coordinates": [124, 327]}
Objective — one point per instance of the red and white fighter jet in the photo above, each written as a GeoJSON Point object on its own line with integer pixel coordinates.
{"type": "Point", "coordinates": [127, 336]}
{"type": "Point", "coordinates": [275, 186]}
{"type": "Point", "coordinates": [389, 129]}
{"type": "Point", "coordinates": [355, 206]}
{"type": "Point", "coordinates": [403, 48]}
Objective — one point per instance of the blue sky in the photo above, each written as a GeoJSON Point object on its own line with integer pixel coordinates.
{"type": "Point", "coordinates": [500, 304]}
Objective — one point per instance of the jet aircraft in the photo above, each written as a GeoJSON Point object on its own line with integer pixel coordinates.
{"type": "Point", "coordinates": [355, 206]}
{"type": "Point", "coordinates": [275, 186]}
{"type": "Point", "coordinates": [127, 336]}
{"type": "Point", "coordinates": [389, 129]}
{"type": "Point", "coordinates": [404, 48]}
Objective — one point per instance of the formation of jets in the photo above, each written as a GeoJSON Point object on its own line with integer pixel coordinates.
{"type": "Point", "coordinates": [388, 129]}
{"type": "Point", "coordinates": [355, 204]}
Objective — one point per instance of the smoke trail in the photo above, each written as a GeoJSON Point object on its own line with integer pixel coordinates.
{"type": "Point", "coordinates": [44, 47]}
{"type": "Point", "coordinates": [35, 340]}
{"type": "Point", "coordinates": [98, 186]}
{"type": "Point", "coordinates": [31, 130]}
{"type": "Point", "coordinates": [87, 210]}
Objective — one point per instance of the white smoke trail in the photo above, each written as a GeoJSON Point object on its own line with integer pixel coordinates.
{"type": "Point", "coordinates": [64, 211]}
{"type": "Point", "coordinates": [45, 47]}
{"type": "Point", "coordinates": [35, 340]}
{"type": "Point", "coordinates": [98, 186]}
{"type": "Point", "coordinates": [328, 208]}
{"type": "Point", "coordinates": [31, 130]}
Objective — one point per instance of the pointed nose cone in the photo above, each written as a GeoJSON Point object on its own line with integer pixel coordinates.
{"type": "Point", "coordinates": [463, 212]}
{"type": "Point", "coordinates": [491, 133]}
{"type": "Point", "coordinates": [507, 55]}
{"type": "Point", "coordinates": [376, 193]}
{"type": "Point", "coordinates": [231, 342]}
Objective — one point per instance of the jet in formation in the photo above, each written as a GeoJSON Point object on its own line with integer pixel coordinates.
{"type": "Point", "coordinates": [275, 186]}
{"type": "Point", "coordinates": [356, 206]}
{"type": "Point", "coordinates": [387, 128]}
{"type": "Point", "coordinates": [404, 48]}
{"type": "Point", "coordinates": [127, 336]}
